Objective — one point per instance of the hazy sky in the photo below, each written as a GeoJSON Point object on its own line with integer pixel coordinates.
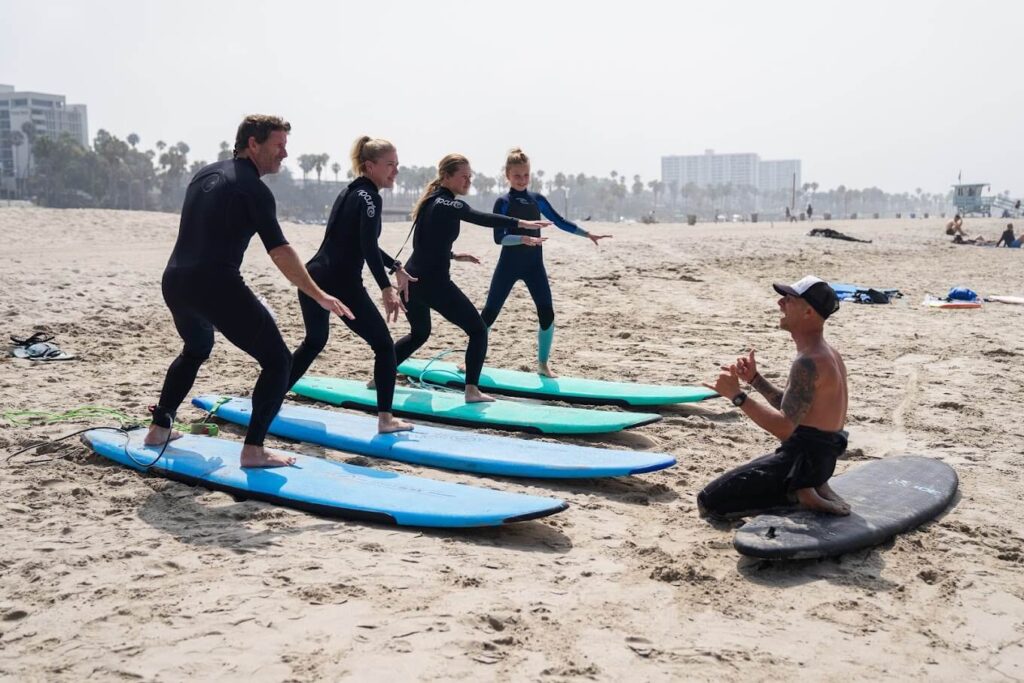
{"type": "Point", "coordinates": [897, 94]}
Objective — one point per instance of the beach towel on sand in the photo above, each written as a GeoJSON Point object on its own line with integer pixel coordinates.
{"type": "Point", "coordinates": [860, 294]}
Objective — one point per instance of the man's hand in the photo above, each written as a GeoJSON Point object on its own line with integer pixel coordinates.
{"type": "Point", "coordinates": [529, 241]}
{"type": "Point", "coordinates": [392, 304]}
{"type": "Point", "coordinates": [468, 258]}
{"type": "Point", "coordinates": [727, 384]}
{"type": "Point", "coordinates": [746, 367]}
{"type": "Point", "coordinates": [332, 304]}
{"type": "Point", "coordinates": [596, 238]}
{"type": "Point", "coordinates": [403, 278]}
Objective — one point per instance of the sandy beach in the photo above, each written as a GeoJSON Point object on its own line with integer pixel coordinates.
{"type": "Point", "coordinates": [108, 574]}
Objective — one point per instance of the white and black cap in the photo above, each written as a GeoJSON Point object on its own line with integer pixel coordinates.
{"type": "Point", "coordinates": [815, 291]}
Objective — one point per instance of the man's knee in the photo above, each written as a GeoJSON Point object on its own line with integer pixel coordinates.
{"type": "Point", "coordinates": [197, 354]}
{"type": "Point", "coordinates": [273, 354]}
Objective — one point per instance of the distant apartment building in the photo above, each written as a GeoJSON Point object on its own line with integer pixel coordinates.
{"type": "Point", "coordinates": [778, 175]}
{"type": "Point", "coordinates": [709, 169]}
{"type": "Point", "coordinates": [49, 115]}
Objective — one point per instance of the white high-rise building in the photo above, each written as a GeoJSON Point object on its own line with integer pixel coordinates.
{"type": "Point", "coordinates": [710, 169]}
{"type": "Point", "coordinates": [779, 175]}
{"type": "Point", "coordinates": [48, 115]}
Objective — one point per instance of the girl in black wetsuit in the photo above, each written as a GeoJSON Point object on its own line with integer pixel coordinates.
{"type": "Point", "coordinates": [437, 217]}
{"type": "Point", "coordinates": [350, 241]}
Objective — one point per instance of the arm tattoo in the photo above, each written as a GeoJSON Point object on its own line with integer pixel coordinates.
{"type": "Point", "coordinates": [768, 390]}
{"type": "Point", "coordinates": [800, 393]}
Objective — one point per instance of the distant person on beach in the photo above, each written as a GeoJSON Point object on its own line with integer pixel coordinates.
{"type": "Point", "coordinates": [810, 211]}
{"type": "Point", "coordinates": [807, 417]}
{"type": "Point", "coordinates": [1008, 239]}
{"type": "Point", "coordinates": [350, 241]}
{"type": "Point", "coordinates": [522, 256]}
{"type": "Point", "coordinates": [956, 226]}
{"type": "Point", "coordinates": [225, 204]}
{"type": "Point", "coordinates": [436, 227]}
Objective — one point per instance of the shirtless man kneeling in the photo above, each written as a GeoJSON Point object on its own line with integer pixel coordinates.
{"type": "Point", "coordinates": [808, 417]}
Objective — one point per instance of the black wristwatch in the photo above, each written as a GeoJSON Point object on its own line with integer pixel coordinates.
{"type": "Point", "coordinates": [739, 399]}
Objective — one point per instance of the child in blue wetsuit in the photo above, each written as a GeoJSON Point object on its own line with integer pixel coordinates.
{"type": "Point", "coordinates": [522, 257]}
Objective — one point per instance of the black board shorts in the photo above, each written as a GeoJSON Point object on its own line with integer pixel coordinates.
{"type": "Point", "coordinates": [807, 459]}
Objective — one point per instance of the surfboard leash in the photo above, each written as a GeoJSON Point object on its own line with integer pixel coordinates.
{"type": "Point", "coordinates": [429, 386]}
{"type": "Point", "coordinates": [126, 422]}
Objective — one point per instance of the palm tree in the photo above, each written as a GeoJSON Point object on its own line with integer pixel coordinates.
{"type": "Point", "coordinates": [225, 152]}
{"type": "Point", "coordinates": [318, 163]}
{"type": "Point", "coordinates": [307, 162]}
{"type": "Point", "coordinates": [133, 139]}
{"type": "Point", "coordinates": [335, 168]}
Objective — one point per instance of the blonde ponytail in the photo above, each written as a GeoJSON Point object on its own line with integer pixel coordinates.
{"type": "Point", "coordinates": [366, 149]}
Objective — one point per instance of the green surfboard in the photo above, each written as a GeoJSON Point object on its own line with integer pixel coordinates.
{"type": "Point", "coordinates": [570, 389]}
{"type": "Point", "coordinates": [451, 408]}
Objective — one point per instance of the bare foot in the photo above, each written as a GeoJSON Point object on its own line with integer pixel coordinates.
{"type": "Point", "coordinates": [387, 423]}
{"type": "Point", "coordinates": [461, 367]}
{"type": "Point", "coordinates": [371, 385]}
{"type": "Point", "coordinates": [157, 435]}
{"type": "Point", "coordinates": [474, 395]}
{"type": "Point", "coordinates": [810, 499]}
{"type": "Point", "coordinates": [258, 456]}
{"type": "Point", "coordinates": [827, 492]}
{"type": "Point", "coordinates": [545, 370]}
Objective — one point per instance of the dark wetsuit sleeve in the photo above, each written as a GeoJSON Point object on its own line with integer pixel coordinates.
{"type": "Point", "coordinates": [549, 212]}
{"type": "Point", "coordinates": [388, 261]}
{"type": "Point", "coordinates": [488, 220]}
{"type": "Point", "coordinates": [263, 211]}
{"type": "Point", "coordinates": [369, 228]}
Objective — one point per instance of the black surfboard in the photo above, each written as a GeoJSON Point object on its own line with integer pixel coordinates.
{"type": "Point", "coordinates": [887, 497]}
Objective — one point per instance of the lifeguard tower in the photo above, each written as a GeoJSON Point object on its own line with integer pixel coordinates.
{"type": "Point", "coordinates": [968, 200]}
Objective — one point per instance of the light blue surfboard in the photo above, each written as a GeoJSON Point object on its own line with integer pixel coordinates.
{"type": "Point", "coordinates": [451, 407]}
{"type": "Point", "coordinates": [324, 487]}
{"type": "Point", "coordinates": [570, 389]}
{"type": "Point", "coordinates": [440, 447]}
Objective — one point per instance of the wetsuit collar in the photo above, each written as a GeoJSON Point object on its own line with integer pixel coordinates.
{"type": "Point", "coordinates": [251, 163]}
{"type": "Point", "coordinates": [365, 181]}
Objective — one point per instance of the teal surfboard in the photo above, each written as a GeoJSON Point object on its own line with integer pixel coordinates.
{"type": "Point", "coordinates": [453, 449]}
{"type": "Point", "coordinates": [323, 487]}
{"type": "Point", "coordinates": [570, 389]}
{"type": "Point", "coordinates": [451, 407]}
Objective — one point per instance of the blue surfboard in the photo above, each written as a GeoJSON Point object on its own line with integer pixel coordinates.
{"type": "Point", "coordinates": [440, 447]}
{"type": "Point", "coordinates": [324, 487]}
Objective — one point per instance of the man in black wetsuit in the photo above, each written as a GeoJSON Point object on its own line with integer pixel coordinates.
{"type": "Point", "coordinates": [225, 204]}
{"type": "Point", "coordinates": [808, 417]}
